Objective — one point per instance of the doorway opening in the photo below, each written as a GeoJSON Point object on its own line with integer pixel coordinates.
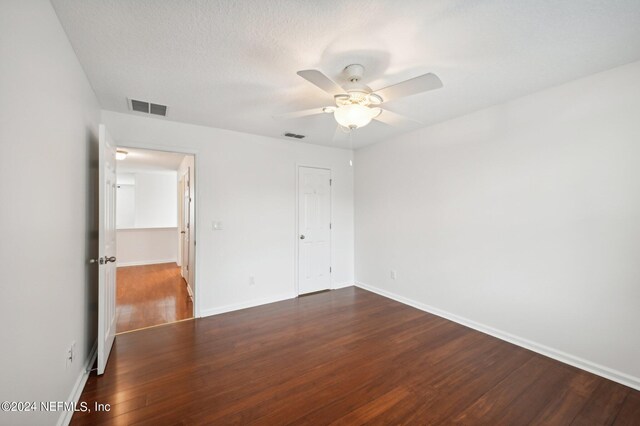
{"type": "Point", "coordinates": [155, 233]}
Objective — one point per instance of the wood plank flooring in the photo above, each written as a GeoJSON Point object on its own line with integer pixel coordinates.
{"type": "Point", "coordinates": [342, 357]}
{"type": "Point", "coordinates": [149, 295]}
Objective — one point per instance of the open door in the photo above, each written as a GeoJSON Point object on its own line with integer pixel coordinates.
{"type": "Point", "coordinates": [185, 225]}
{"type": "Point", "coordinates": [107, 247]}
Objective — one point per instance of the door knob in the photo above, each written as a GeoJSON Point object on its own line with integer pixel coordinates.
{"type": "Point", "coordinates": [302, 237]}
{"type": "Point", "coordinates": [109, 259]}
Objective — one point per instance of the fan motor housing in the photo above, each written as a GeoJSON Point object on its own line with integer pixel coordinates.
{"type": "Point", "coordinates": [354, 72]}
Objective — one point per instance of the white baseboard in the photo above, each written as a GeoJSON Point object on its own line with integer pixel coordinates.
{"type": "Point", "coordinates": [583, 364]}
{"type": "Point", "coordinates": [336, 286]}
{"type": "Point", "coordinates": [247, 304]}
{"type": "Point", "coordinates": [78, 387]}
{"type": "Point", "coordinates": [190, 291]}
{"type": "Point", "coordinates": [145, 262]}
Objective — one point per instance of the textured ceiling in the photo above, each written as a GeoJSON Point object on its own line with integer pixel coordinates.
{"type": "Point", "coordinates": [144, 160]}
{"type": "Point", "coordinates": [232, 64]}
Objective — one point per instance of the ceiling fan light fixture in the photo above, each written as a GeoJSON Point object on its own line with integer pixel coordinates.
{"type": "Point", "coordinates": [356, 104]}
{"type": "Point", "coordinates": [355, 116]}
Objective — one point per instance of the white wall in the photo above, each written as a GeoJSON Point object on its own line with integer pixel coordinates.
{"type": "Point", "coordinates": [156, 200]}
{"type": "Point", "coordinates": [48, 126]}
{"type": "Point", "coordinates": [126, 201]}
{"type": "Point", "coordinates": [147, 218]}
{"type": "Point", "coordinates": [249, 183]}
{"type": "Point", "coordinates": [145, 246]}
{"type": "Point", "coordinates": [153, 203]}
{"type": "Point", "coordinates": [523, 217]}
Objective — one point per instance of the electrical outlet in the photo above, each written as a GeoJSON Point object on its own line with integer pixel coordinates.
{"type": "Point", "coordinates": [393, 274]}
{"type": "Point", "coordinates": [71, 354]}
{"type": "Point", "coordinates": [252, 281]}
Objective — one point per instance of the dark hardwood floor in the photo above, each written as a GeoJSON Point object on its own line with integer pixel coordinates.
{"type": "Point", "coordinates": [149, 295]}
{"type": "Point", "coordinates": [342, 357]}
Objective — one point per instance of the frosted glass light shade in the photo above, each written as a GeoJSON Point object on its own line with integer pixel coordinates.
{"type": "Point", "coordinates": [354, 115]}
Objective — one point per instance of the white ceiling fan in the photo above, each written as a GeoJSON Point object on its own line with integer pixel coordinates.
{"type": "Point", "coordinates": [356, 104]}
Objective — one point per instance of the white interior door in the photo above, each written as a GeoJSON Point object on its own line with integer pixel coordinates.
{"type": "Point", "coordinates": [107, 247]}
{"type": "Point", "coordinates": [314, 233]}
{"type": "Point", "coordinates": [186, 224]}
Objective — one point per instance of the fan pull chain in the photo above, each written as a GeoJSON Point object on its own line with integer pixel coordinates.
{"type": "Point", "coordinates": [351, 147]}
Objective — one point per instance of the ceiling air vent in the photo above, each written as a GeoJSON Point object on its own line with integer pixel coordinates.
{"type": "Point", "coordinates": [293, 135]}
{"type": "Point", "coordinates": [147, 107]}
{"type": "Point", "coordinates": [140, 106]}
{"type": "Point", "coordinates": [158, 109]}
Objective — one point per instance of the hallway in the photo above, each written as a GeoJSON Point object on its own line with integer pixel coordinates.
{"type": "Point", "coordinates": [150, 295]}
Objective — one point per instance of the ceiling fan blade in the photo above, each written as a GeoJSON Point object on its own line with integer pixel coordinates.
{"type": "Point", "coordinates": [322, 81]}
{"type": "Point", "coordinates": [422, 83]}
{"type": "Point", "coordinates": [396, 120]}
{"type": "Point", "coordinates": [298, 114]}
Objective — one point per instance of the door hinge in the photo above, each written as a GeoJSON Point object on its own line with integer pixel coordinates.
{"type": "Point", "coordinates": [329, 269]}
{"type": "Point", "coordinates": [330, 182]}
{"type": "Point", "coordinates": [329, 225]}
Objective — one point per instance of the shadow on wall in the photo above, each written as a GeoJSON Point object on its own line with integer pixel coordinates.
{"type": "Point", "coordinates": [91, 241]}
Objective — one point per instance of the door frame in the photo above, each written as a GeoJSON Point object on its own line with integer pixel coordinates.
{"type": "Point", "coordinates": [185, 180]}
{"type": "Point", "coordinates": [296, 230]}
{"type": "Point", "coordinates": [194, 187]}
{"type": "Point", "coordinates": [180, 213]}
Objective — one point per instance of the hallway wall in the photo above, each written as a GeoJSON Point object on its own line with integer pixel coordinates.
{"type": "Point", "coordinates": [48, 221]}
